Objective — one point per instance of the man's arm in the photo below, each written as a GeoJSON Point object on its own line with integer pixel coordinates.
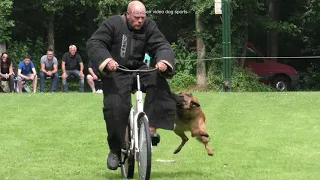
{"type": "Point", "coordinates": [55, 68]}
{"type": "Point", "coordinates": [10, 69]}
{"type": "Point", "coordinates": [42, 65]}
{"type": "Point", "coordinates": [21, 75]}
{"type": "Point", "coordinates": [63, 67]}
{"type": "Point", "coordinates": [81, 68]}
{"type": "Point", "coordinates": [19, 72]}
{"type": "Point", "coordinates": [63, 64]}
{"type": "Point", "coordinates": [159, 47]}
{"type": "Point", "coordinates": [33, 69]}
{"type": "Point", "coordinates": [100, 42]}
{"type": "Point", "coordinates": [91, 72]}
{"type": "Point", "coordinates": [55, 65]}
{"type": "Point", "coordinates": [43, 68]}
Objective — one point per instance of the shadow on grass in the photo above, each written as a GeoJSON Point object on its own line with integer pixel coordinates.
{"type": "Point", "coordinates": [116, 175]}
{"type": "Point", "coordinates": [183, 174]}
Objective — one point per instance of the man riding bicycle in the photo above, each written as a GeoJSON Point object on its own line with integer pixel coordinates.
{"type": "Point", "coordinates": [124, 40]}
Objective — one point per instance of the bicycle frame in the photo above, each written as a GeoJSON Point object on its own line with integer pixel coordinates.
{"type": "Point", "coordinates": [136, 113]}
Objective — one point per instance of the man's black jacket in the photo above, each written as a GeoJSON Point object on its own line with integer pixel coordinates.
{"type": "Point", "coordinates": [115, 39]}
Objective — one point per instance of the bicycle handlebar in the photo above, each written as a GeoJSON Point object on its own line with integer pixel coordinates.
{"type": "Point", "coordinates": [122, 68]}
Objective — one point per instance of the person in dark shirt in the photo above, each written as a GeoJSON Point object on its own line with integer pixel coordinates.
{"type": "Point", "coordinates": [124, 40]}
{"type": "Point", "coordinates": [6, 72]}
{"type": "Point", "coordinates": [93, 76]}
{"type": "Point", "coordinates": [72, 65]}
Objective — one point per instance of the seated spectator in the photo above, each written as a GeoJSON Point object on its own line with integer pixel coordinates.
{"type": "Point", "coordinates": [93, 76]}
{"type": "Point", "coordinates": [49, 68]}
{"type": "Point", "coordinates": [72, 65]}
{"type": "Point", "coordinates": [26, 72]}
{"type": "Point", "coordinates": [6, 71]}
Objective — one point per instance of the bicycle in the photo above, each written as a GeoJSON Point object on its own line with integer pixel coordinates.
{"type": "Point", "coordinates": [138, 141]}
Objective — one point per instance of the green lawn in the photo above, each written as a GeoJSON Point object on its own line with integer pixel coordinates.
{"type": "Point", "coordinates": [254, 136]}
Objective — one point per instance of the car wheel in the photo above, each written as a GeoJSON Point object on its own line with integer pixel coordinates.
{"type": "Point", "coordinates": [281, 83]}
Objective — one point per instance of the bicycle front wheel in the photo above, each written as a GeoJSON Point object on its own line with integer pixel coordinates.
{"type": "Point", "coordinates": [144, 158]}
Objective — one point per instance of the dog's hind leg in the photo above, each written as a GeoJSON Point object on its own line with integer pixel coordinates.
{"type": "Point", "coordinates": [184, 139]}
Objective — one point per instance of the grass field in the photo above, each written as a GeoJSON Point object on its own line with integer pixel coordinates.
{"type": "Point", "coordinates": [254, 136]}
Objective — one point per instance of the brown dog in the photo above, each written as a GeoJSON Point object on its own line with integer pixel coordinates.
{"type": "Point", "coordinates": [189, 117]}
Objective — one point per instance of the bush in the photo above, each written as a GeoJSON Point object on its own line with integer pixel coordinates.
{"type": "Point", "coordinates": [243, 80]}
{"type": "Point", "coordinates": [181, 81]}
{"type": "Point", "coordinates": [311, 78]}
{"type": "Point", "coordinates": [183, 56]}
{"type": "Point", "coordinates": [18, 50]}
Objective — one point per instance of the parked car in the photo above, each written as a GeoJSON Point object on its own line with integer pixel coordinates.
{"type": "Point", "coordinates": [278, 75]}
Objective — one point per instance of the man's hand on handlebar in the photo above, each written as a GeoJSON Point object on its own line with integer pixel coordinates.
{"type": "Point", "coordinates": [161, 66]}
{"type": "Point", "coordinates": [112, 65]}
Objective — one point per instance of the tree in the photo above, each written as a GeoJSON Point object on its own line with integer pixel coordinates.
{"type": "Point", "coordinates": [273, 8]}
{"type": "Point", "coordinates": [199, 7]}
{"type": "Point", "coordinates": [5, 24]}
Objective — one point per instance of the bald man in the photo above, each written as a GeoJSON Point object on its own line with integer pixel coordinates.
{"type": "Point", "coordinates": [124, 40]}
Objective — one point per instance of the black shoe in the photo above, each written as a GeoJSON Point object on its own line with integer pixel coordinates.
{"type": "Point", "coordinates": [113, 160]}
{"type": "Point", "coordinates": [155, 138]}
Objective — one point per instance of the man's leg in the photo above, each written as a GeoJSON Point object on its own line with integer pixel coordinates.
{"type": "Point", "coordinates": [42, 78]}
{"type": "Point", "coordinates": [54, 83]}
{"type": "Point", "coordinates": [81, 83]}
{"type": "Point", "coordinates": [1, 90]}
{"type": "Point", "coordinates": [65, 81]}
{"type": "Point", "coordinates": [11, 83]}
{"type": "Point", "coordinates": [117, 104]}
{"type": "Point", "coordinates": [20, 84]}
{"type": "Point", "coordinates": [34, 83]}
{"type": "Point", "coordinates": [76, 73]}
{"type": "Point", "coordinates": [91, 83]}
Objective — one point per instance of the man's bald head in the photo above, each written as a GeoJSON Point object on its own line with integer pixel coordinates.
{"type": "Point", "coordinates": [136, 6]}
{"type": "Point", "coordinates": [136, 13]}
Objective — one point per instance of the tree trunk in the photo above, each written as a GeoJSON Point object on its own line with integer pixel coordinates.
{"type": "Point", "coordinates": [273, 7]}
{"type": "Point", "coordinates": [51, 31]}
{"type": "Point", "coordinates": [244, 48]}
{"type": "Point", "coordinates": [201, 52]}
{"type": "Point", "coordinates": [91, 24]}
{"type": "Point", "coordinates": [3, 48]}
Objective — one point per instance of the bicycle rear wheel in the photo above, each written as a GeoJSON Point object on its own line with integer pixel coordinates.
{"type": "Point", "coordinates": [127, 157]}
{"type": "Point", "coordinates": [144, 158]}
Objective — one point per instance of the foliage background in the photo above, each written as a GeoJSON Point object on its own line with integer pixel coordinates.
{"type": "Point", "coordinates": [24, 27]}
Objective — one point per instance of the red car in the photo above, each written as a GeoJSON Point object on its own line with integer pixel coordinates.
{"type": "Point", "coordinates": [278, 75]}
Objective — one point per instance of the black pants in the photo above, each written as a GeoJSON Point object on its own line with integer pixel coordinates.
{"type": "Point", "coordinates": [159, 105]}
